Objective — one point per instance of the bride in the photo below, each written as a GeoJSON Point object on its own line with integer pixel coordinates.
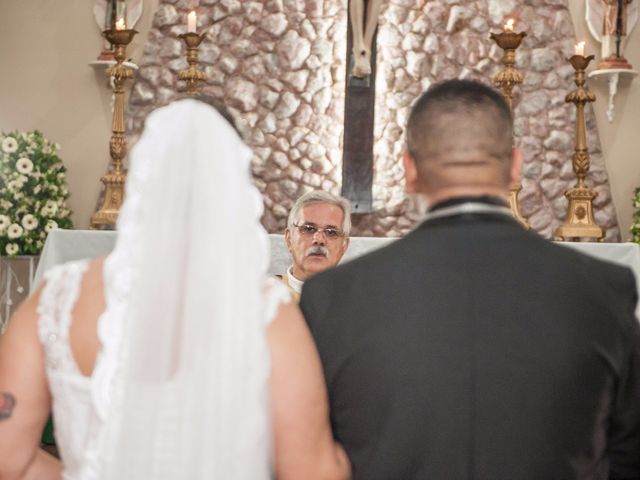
{"type": "Point", "coordinates": [174, 357]}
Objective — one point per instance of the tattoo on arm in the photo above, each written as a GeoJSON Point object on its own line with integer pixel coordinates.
{"type": "Point", "coordinates": [7, 402]}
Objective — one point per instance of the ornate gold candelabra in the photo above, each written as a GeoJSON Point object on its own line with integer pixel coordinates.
{"type": "Point", "coordinates": [107, 214]}
{"type": "Point", "coordinates": [191, 74]}
{"type": "Point", "coordinates": [507, 79]}
{"type": "Point", "coordinates": [580, 222]}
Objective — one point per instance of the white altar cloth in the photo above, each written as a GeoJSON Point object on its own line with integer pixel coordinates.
{"type": "Point", "coordinates": [66, 245]}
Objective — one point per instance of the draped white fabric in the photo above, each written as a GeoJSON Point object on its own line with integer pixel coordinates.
{"type": "Point", "coordinates": [191, 396]}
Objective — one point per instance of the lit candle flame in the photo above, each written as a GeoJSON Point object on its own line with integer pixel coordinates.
{"type": "Point", "coordinates": [120, 24]}
{"type": "Point", "coordinates": [508, 27]}
{"type": "Point", "coordinates": [579, 49]}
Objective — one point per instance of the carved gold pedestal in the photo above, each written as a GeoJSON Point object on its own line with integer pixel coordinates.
{"type": "Point", "coordinates": [192, 75]}
{"type": "Point", "coordinates": [506, 80]}
{"type": "Point", "coordinates": [580, 222]}
{"type": "Point", "coordinates": [107, 215]}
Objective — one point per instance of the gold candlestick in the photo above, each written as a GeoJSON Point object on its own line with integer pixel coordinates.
{"type": "Point", "coordinates": [507, 79]}
{"type": "Point", "coordinates": [192, 75]}
{"type": "Point", "coordinates": [580, 222]}
{"type": "Point", "coordinates": [107, 214]}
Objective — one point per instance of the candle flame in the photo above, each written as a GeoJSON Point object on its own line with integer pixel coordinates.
{"type": "Point", "coordinates": [508, 27]}
{"type": "Point", "coordinates": [120, 24]}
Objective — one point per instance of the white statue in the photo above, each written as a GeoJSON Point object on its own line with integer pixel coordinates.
{"type": "Point", "coordinates": [363, 32]}
{"type": "Point", "coordinates": [610, 21]}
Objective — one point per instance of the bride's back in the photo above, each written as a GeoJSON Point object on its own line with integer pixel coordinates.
{"type": "Point", "coordinates": [69, 308]}
{"type": "Point", "coordinates": [83, 331]}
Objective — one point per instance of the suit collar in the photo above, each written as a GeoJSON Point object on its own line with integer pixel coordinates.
{"type": "Point", "coordinates": [482, 208]}
{"type": "Point", "coordinates": [490, 200]}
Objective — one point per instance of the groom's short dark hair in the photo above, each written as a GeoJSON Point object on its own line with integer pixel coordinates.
{"type": "Point", "coordinates": [458, 123]}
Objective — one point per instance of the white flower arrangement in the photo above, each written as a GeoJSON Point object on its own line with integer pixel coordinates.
{"type": "Point", "coordinates": [33, 192]}
{"type": "Point", "coordinates": [635, 224]}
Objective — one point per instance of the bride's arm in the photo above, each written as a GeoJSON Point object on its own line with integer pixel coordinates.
{"type": "Point", "coordinates": [304, 445]}
{"type": "Point", "coordinates": [24, 399]}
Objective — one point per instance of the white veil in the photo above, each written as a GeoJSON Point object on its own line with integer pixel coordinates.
{"type": "Point", "coordinates": [186, 276]}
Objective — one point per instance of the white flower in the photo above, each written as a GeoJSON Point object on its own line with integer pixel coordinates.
{"type": "Point", "coordinates": [4, 222]}
{"type": "Point", "coordinates": [9, 145]}
{"type": "Point", "coordinates": [50, 208]}
{"type": "Point", "coordinates": [5, 204]}
{"type": "Point", "coordinates": [21, 180]}
{"type": "Point", "coordinates": [14, 231]}
{"type": "Point", "coordinates": [24, 165]}
{"type": "Point", "coordinates": [29, 222]}
{"type": "Point", "coordinates": [51, 225]}
{"type": "Point", "coordinates": [37, 189]}
{"type": "Point", "coordinates": [11, 248]}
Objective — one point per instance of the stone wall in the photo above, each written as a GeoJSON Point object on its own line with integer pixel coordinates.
{"type": "Point", "coordinates": [280, 67]}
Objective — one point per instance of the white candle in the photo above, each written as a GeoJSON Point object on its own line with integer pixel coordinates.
{"type": "Point", "coordinates": [191, 22]}
{"type": "Point", "coordinates": [121, 15]}
{"type": "Point", "coordinates": [508, 27]}
{"type": "Point", "coordinates": [579, 49]}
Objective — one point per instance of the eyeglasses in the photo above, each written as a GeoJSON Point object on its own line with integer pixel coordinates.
{"type": "Point", "coordinates": [309, 230]}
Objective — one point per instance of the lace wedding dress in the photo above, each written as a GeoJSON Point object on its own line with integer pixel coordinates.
{"type": "Point", "coordinates": [83, 405]}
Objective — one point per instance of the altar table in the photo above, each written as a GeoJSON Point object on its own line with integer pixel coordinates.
{"type": "Point", "coordinates": [65, 245]}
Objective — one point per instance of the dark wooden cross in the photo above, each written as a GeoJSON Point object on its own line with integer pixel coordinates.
{"type": "Point", "coordinates": [359, 109]}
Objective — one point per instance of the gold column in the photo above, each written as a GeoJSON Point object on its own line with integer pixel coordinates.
{"type": "Point", "coordinates": [580, 222]}
{"type": "Point", "coordinates": [191, 74]}
{"type": "Point", "coordinates": [508, 78]}
{"type": "Point", "coordinates": [106, 216]}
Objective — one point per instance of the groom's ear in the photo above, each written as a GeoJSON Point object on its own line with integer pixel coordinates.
{"type": "Point", "coordinates": [411, 181]}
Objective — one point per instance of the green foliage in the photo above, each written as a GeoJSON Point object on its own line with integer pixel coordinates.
{"type": "Point", "coordinates": [33, 192]}
{"type": "Point", "coordinates": [635, 224]}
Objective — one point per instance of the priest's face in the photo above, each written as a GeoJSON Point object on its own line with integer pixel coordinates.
{"type": "Point", "coordinates": [317, 241]}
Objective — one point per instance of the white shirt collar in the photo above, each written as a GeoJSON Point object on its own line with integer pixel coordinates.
{"type": "Point", "coordinates": [293, 281]}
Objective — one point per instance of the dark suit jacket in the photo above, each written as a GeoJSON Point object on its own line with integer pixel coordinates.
{"type": "Point", "coordinates": [472, 349]}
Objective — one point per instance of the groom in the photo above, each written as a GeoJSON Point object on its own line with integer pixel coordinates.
{"type": "Point", "coordinates": [471, 348]}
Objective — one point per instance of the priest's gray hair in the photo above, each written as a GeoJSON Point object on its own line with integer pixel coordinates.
{"type": "Point", "coordinates": [320, 196]}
